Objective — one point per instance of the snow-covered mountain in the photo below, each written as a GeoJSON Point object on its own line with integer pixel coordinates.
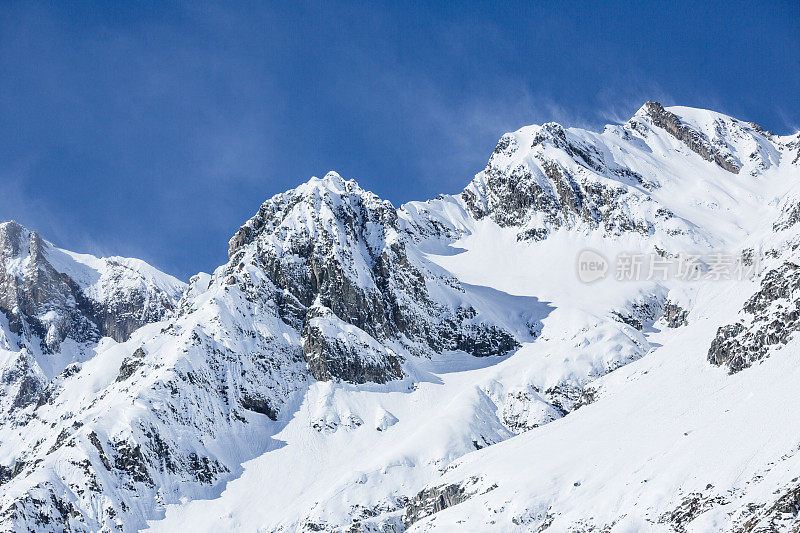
{"type": "Point", "coordinates": [56, 305]}
{"type": "Point", "coordinates": [441, 365]}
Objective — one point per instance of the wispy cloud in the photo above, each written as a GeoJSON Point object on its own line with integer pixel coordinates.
{"type": "Point", "coordinates": [17, 202]}
{"type": "Point", "coordinates": [617, 104]}
{"type": "Point", "coordinates": [467, 128]}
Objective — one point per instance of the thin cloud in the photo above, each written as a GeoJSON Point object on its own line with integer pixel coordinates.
{"type": "Point", "coordinates": [616, 105]}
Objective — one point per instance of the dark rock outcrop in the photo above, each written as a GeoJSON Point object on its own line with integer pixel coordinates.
{"type": "Point", "coordinates": [131, 364]}
{"type": "Point", "coordinates": [331, 244]}
{"type": "Point", "coordinates": [691, 506]}
{"type": "Point", "coordinates": [696, 141]}
{"type": "Point", "coordinates": [782, 515]}
{"type": "Point", "coordinates": [433, 500]}
{"type": "Point", "coordinates": [674, 315]}
{"type": "Point", "coordinates": [336, 350]}
{"type": "Point", "coordinates": [790, 216]}
{"type": "Point", "coordinates": [46, 306]}
{"type": "Point", "coordinates": [547, 195]}
{"type": "Point", "coordinates": [31, 289]}
{"type": "Point", "coordinates": [770, 318]}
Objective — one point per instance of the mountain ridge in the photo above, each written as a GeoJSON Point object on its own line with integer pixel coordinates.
{"type": "Point", "coordinates": [348, 335]}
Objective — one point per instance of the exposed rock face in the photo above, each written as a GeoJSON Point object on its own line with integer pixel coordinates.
{"type": "Point", "coordinates": [529, 408]}
{"type": "Point", "coordinates": [790, 216]}
{"type": "Point", "coordinates": [544, 178]}
{"type": "Point", "coordinates": [333, 243]}
{"type": "Point", "coordinates": [330, 283]}
{"type": "Point", "coordinates": [770, 318]}
{"type": "Point", "coordinates": [643, 312]}
{"type": "Point", "coordinates": [40, 302]}
{"type": "Point", "coordinates": [22, 382]}
{"type": "Point", "coordinates": [780, 515]}
{"type": "Point", "coordinates": [433, 500]}
{"type": "Point", "coordinates": [334, 349]}
{"type": "Point", "coordinates": [692, 506]}
{"type": "Point", "coordinates": [695, 140]}
{"type": "Point", "coordinates": [44, 304]}
{"type": "Point", "coordinates": [55, 306]}
{"type": "Point", "coordinates": [131, 364]}
{"type": "Point", "coordinates": [675, 315]}
{"type": "Point", "coordinates": [129, 302]}
{"type": "Point", "coordinates": [328, 253]}
{"type": "Point", "coordinates": [795, 145]}
{"type": "Point", "coordinates": [549, 195]}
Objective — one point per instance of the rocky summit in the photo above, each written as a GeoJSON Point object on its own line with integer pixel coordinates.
{"type": "Point", "coordinates": [441, 365]}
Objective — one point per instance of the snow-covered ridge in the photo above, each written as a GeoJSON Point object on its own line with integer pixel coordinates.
{"type": "Point", "coordinates": [641, 177]}
{"type": "Point", "coordinates": [56, 305]}
{"type": "Point", "coordinates": [42, 281]}
{"type": "Point", "coordinates": [356, 366]}
{"type": "Point", "coordinates": [85, 269]}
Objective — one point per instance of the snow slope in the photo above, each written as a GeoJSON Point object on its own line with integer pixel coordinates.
{"type": "Point", "coordinates": [671, 443]}
{"type": "Point", "coordinates": [56, 305]}
{"type": "Point", "coordinates": [441, 366]}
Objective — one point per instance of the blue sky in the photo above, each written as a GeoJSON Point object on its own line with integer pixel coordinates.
{"type": "Point", "coordinates": [155, 129]}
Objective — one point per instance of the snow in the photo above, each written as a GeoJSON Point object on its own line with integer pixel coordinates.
{"type": "Point", "coordinates": [667, 425]}
{"type": "Point", "coordinates": [591, 422]}
{"type": "Point", "coordinates": [92, 272]}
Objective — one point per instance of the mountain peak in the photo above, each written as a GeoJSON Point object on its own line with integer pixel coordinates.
{"type": "Point", "coordinates": [341, 326]}
{"type": "Point", "coordinates": [13, 238]}
{"type": "Point", "coordinates": [52, 294]}
{"type": "Point", "coordinates": [695, 117]}
{"type": "Point", "coordinates": [331, 192]}
{"type": "Point", "coordinates": [331, 178]}
{"type": "Point", "coordinates": [5, 226]}
{"type": "Point", "coordinates": [705, 133]}
{"type": "Point", "coordinates": [16, 241]}
{"type": "Point", "coordinates": [332, 182]}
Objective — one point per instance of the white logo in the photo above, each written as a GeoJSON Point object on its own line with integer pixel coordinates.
{"type": "Point", "coordinates": [592, 266]}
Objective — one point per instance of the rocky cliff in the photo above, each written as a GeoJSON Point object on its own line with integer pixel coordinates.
{"type": "Point", "coordinates": [365, 367]}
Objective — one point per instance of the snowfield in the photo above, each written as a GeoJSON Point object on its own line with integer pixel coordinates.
{"type": "Point", "coordinates": [439, 366]}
